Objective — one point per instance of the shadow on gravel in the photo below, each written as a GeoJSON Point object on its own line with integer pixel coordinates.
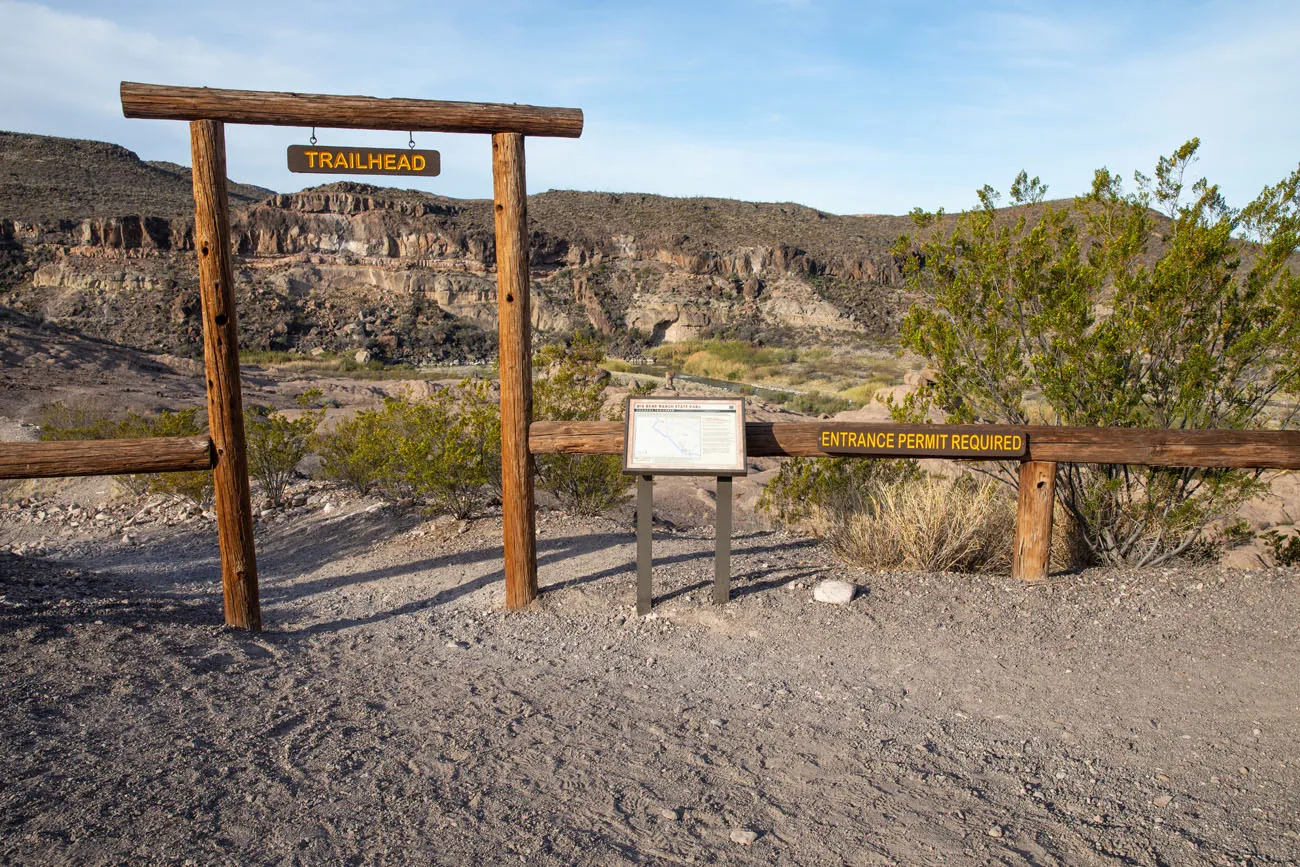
{"type": "Point", "coordinates": [550, 551]}
{"type": "Point", "coordinates": [50, 598]}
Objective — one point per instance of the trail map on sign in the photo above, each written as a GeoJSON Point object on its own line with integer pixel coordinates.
{"type": "Point", "coordinates": [686, 435]}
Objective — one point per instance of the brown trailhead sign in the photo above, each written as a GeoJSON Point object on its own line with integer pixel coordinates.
{"type": "Point", "coordinates": [319, 159]}
{"type": "Point", "coordinates": [922, 441]}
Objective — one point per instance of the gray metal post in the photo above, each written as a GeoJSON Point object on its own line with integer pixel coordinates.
{"type": "Point", "coordinates": [644, 528]}
{"type": "Point", "coordinates": [722, 551]}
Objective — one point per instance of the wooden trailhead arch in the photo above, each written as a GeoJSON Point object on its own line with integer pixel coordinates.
{"type": "Point", "coordinates": [207, 111]}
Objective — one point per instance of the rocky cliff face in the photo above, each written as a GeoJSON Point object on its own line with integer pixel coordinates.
{"type": "Point", "coordinates": [410, 276]}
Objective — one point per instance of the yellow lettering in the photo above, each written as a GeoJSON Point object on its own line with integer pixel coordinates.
{"type": "Point", "coordinates": [340, 160]}
{"type": "Point", "coordinates": [311, 158]}
{"type": "Point", "coordinates": [326, 160]}
{"type": "Point", "coordinates": [417, 163]}
{"type": "Point", "coordinates": [826, 436]}
{"type": "Point", "coordinates": [375, 162]}
{"type": "Point", "coordinates": [390, 162]}
{"type": "Point", "coordinates": [403, 163]}
{"type": "Point", "coordinates": [943, 441]}
{"type": "Point", "coordinates": [889, 440]}
{"type": "Point", "coordinates": [1016, 442]}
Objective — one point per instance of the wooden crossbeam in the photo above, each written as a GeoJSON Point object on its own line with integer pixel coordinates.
{"type": "Point", "coordinates": [1148, 446]}
{"type": "Point", "coordinates": [104, 457]}
{"type": "Point", "coordinates": [169, 102]}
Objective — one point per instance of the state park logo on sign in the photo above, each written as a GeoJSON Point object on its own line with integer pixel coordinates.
{"type": "Point", "coordinates": [921, 441]}
{"type": "Point", "coordinates": [318, 159]}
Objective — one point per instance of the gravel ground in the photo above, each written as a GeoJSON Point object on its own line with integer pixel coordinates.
{"type": "Point", "coordinates": [392, 713]}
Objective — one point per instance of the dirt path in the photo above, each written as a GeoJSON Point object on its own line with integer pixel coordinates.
{"type": "Point", "coordinates": [393, 714]}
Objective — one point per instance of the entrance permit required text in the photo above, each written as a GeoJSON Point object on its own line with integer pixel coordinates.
{"type": "Point", "coordinates": [685, 436]}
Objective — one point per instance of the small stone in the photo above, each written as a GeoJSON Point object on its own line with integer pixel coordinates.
{"type": "Point", "coordinates": [1162, 800]}
{"type": "Point", "coordinates": [362, 356]}
{"type": "Point", "coordinates": [670, 815]}
{"type": "Point", "coordinates": [744, 836]}
{"type": "Point", "coordinates": [834, 592]}
{"type": "Point", "coordinates": [995, 831]}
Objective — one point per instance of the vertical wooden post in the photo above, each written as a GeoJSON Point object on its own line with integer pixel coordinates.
{"type": "Point", "coordinates": [514, 331]}
{"type": "Point", "coordinates": [1033, 550]}
{"type": "Point", "coordinates": [221, 364]}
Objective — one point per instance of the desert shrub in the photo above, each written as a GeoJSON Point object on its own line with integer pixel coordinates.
{"type": "Point", "coordinates": [62, 422]}
{"type": "Point", "coordinates": [276, 444]}
{"type": "Point", "coordinates": [355, 451]}
{"type": "Point", "coordinates": [443, 451]}
{"type": "Point", "coordinates": [1104, 312]}
{"type": "Point", "coordinates": [806, 486]}
{"type": "Point", "coordinates": [926, 523]}
{"type": "Point", "coordinates": [889, 514]}
{"type": "Point", "coordinates": [1285, 549]}
{"type": "Point", "coordinates": [570, 386]}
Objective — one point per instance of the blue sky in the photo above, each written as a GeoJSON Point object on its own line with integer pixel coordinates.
{"type": "Point", "coordinates": [849, 107]}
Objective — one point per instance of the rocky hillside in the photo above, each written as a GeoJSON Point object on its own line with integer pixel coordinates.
{"type": "Point", "coordinates": [93, 238]}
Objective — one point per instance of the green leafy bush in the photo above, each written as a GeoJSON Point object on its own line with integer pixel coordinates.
{"type": "Point", "coordinates": [1103, 312]}
{"type": "Point", "coordinates": [59, 421]}
{"type": "Point", "coordinates": [1285, 549]}
{"type": "Point", "coordinates": [571, 387]}
{"type": "Point", "coordinates": [443, 451]}
{"type": "Point", "coordinates": [277, 443]}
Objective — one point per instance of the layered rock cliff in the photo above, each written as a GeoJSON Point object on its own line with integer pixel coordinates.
{"type": "Point", "coordinates": [410, 276]}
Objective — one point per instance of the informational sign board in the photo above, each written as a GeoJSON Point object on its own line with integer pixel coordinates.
{"type": "Point", "coordinates": [920, 441]}
{"type": "Point", "coordinates": [685, 436]}
{"type": "Point", "coordinates": [319, 159]}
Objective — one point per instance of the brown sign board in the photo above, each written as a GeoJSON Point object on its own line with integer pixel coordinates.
{"type": "Point", "coordinates": [921, 441]}
{"type": "Point", "coordinates": [319, 159]}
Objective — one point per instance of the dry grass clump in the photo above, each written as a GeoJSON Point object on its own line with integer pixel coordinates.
{"type": "Point", "coordinates": [927, 523]}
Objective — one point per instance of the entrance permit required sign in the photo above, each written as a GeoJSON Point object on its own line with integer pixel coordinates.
{"type": "Point", "coordinates": [685, 436]}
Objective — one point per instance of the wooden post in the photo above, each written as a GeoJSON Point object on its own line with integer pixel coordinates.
{"type": "Point", "coordinates": [1033, 549]}
{"type": "Point", "coordinates": [514, 330]}
{"type": "Point", "coordinates": [221, 363]}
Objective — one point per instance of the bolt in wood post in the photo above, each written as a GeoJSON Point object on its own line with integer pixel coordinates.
{"type": "Point", "coordinates": [221, 365]}
{"type": "Point", "coordinates": [1033, 551]}
{"type": "Point", "coordinates": [514, 330]}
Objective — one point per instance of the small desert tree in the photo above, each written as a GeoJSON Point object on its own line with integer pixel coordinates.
{"type": "Point", "coordinates": [1106, 312]}
{"type": "Point", "coordinates": [277, 443]}
{"type": "Point", "coordinates": [570, 386]}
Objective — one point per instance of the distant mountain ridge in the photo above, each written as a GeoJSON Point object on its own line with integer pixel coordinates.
{"type": "Point", "coordinates": [49, 178]}
{"type": "Point", "coordinates": [94, 238]}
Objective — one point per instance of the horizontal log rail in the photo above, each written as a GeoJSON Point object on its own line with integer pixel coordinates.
{"type": "Point", "coordinates": [167, 102]}
{"type": "Point", "coordinates": [1148, 446]}
{"type": "Point", "coordinates": [28, 460]}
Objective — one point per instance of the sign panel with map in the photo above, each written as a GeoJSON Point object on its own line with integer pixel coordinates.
{"type": "Point", "coordinates": [685, 436]}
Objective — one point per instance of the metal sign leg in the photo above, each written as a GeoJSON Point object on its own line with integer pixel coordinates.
{"type": "Point", "coordinates": [644, 527]}
{"type": "Point", "coordinates": [722, 551]}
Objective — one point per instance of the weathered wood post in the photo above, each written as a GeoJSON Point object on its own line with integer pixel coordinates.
{"type": "Point", "coordinates": [1033, 550]}
{"type": "Point", "coordinates": [221, 365]}
{"type": "Point", "coordinates": [514, 332]}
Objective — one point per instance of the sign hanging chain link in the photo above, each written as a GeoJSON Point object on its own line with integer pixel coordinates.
{"type": "Point", "coordinates": [313, 136]}
{"type": "Point", "coordinates": [411, 144]}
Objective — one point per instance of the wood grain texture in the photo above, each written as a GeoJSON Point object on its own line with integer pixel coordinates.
{"type": "Point", "coordinates": [166, 102]}
{"type": "Point", "coordinates": [221, 365]}
{"type": "Point", "coordinates": [514, 332]}
{"type": "Point", "coordinates": [1154, 447]}
{"type": "Point", "coordinates": [104, 457]}
{"type": "Point", "coordinates": [1033, 545]}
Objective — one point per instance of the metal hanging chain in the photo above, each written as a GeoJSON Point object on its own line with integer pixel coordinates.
{"type": "Point", "coordinates": [411, 144]}
{"type": "Point", "coordinates": [313, 135]}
